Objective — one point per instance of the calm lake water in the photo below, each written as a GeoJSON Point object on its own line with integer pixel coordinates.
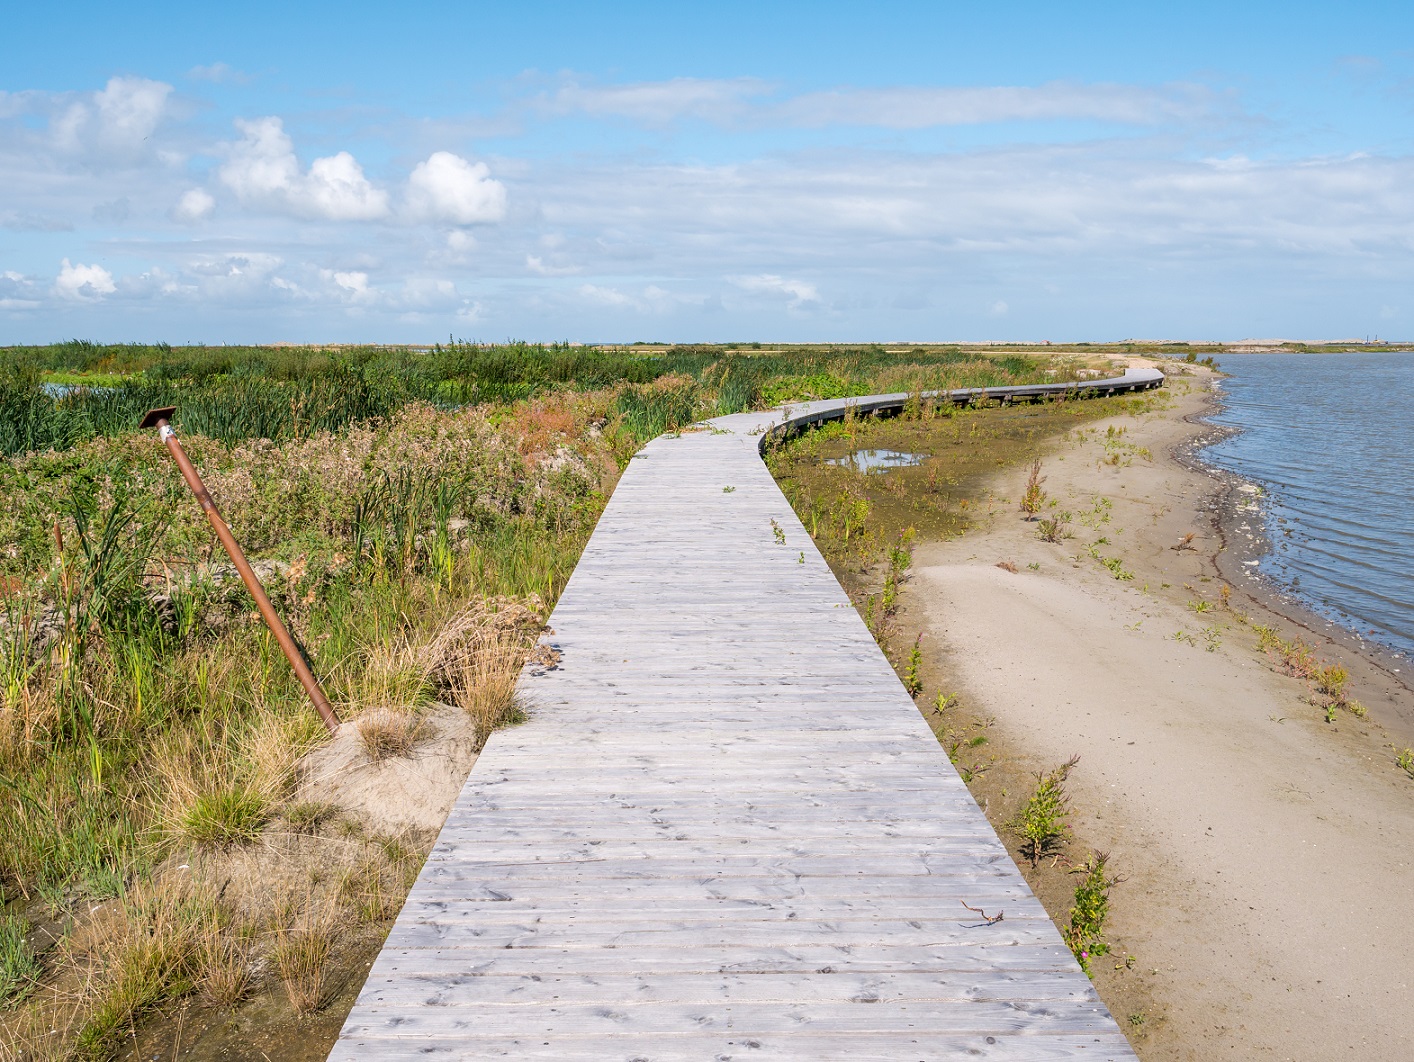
{"type": "Point", "coordinates": [1331, 438]}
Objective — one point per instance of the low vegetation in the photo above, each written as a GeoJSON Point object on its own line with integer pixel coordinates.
{"type": "Point", "coordinates": [1085, 934]}
{"type": "Point", "coordinates": [1405, 762]}
{"type": "Point", "coordinates": [58, 396]}
{"type": "Point", "coordinates": [1041, 823]}
{"type": "Point", "coordinates": [1033, 496]}
{"type": "Point", "coordinates": [413, 514]}
{"type": "Point", "coordinates": [1326, 681]}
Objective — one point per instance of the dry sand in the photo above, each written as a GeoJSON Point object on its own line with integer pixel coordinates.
{"type": "Point", "coordinates": [1268, 853]}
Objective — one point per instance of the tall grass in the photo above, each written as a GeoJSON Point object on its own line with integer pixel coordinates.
{"type": "Point", "coordinates": [144, 711]}
{"type": "Point", "coordinates": [238, 393]}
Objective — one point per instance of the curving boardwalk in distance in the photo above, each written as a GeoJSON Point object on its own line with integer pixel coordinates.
{"type": "Point", "coordinates": [725, 832]}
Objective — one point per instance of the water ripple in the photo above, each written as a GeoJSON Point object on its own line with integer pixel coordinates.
{"type": "Point", "coordinates": [1331, 437]}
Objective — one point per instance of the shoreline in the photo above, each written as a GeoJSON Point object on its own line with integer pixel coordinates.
{"type": "Point", "coordinates": [1381, 666]}
{"type": "Point", "coordinates": [1259, 842]}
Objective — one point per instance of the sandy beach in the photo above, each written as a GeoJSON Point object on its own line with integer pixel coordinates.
{"type": "Point", "coordinates": [1267, 852]}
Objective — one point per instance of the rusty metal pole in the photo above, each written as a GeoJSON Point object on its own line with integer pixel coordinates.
{"type": "Point", "coordinates": [157, 418]}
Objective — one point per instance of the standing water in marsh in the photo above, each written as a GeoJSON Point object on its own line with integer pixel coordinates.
{"type": "Point", "coordinates": [1331, 439]}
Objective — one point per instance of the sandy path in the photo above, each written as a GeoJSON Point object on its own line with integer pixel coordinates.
{"type": "Point", "coordinates": [1269, 854]}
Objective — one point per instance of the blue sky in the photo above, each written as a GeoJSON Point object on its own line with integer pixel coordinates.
{"type": "Point", "coordinates": [895, 171]}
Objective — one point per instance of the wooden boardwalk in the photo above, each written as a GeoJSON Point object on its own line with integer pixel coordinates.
{"type": "Point", "coordinates": [725, 832]}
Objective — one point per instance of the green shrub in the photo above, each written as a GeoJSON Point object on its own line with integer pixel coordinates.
{"type": "Point", "coordinates": [1041, 821]}
{"type": "Point", "coordinates": [1092, 907]}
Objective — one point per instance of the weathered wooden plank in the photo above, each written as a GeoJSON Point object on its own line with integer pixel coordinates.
{"type": "Point", "coordinates": [851, 987]}
{"type": "Point", "coordinates": [794, 1046]}
{"type": "Point", "coordinates": [397, 961]}
{"type": "Point", "coordinates": [894, 893]}
{"type": "Point", "coordinates": [725, 832]}
{"type": "Point", "coordinates": [423, 1014]}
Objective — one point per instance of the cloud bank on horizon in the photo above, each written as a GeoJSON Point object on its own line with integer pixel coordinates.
{"type": "Point", "coordinates": [231, 189]}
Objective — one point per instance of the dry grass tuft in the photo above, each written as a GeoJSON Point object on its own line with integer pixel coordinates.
{"type": "Point", "coordinates": [307, 816]}
{"type": "Point", "coordinates": [371, 889]}
{"type": "Point", "coordinates": [388, 732]}
{"type": "Point", "coordinates": [148, 951]}
{"type": "Point", "coordinates": [225, 968]}
{"type": "Point", "coordinates": [1007, 566]}
{"type": "Point", "coordinates": [302, 952]}
{"type": "Point", "coordinates": [478, 657]}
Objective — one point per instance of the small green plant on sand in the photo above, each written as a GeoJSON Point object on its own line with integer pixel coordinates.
{"type": "Point", "coordinates": [1331, 679]}
{"type": "Point", "coordinates": [1117, 568]}
{"type": "Point", "coordinates": [1053, 528]}
{"type": "Point", "coordinates": [911, 681]}
{"type": "Point", "coordinates": [1405, 762]}
{"type": "Point", "coordinates": [1092, 907]}
{"type": "Point", "coordinates": [1034, 497]}
{"type": "Point", "coordinates": [1041, 821]}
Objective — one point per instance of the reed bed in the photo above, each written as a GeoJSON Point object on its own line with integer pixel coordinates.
{"type": "Point", "coordinates": [59, 396]}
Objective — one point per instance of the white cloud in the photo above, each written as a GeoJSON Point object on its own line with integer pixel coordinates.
{"type": "Point", "coordinates": [194, 205]}
{"type": "Point", "coordinates": [129, 109]}
{"type": "Point", "coordinates": [921, 107]}
{"type": "Point", "coordinates": [18, 222]}
{"type": "Point", "coordinates": [83, 282]}
{"type": "Point", "coordinates": [459, 242]}
{"type": "Point", "coordinates": [448, 188]}
{"type": "Point", "coordinates": [355, 283]}
{"type": "Point", "coordinates": [798, 292]}
{"type": "Point", "coordinates": [115, 124]}
{"type": "Point", "coordinates": [261, 169]}
{"type": "Point", "coordinates": [605, 296]}
{"type": "Point", "coordinates": [651, 299]}
{"type": "Point", "coordinates": [660, 102]}
{"type": "Point", "coordinates": [19, 292]}
{"type": "Point", "coordinates": [537, 265]}
{"type": "Point", "coordinates": [218, 73]}
{"type": "Point", "coordinates": [752, 102]}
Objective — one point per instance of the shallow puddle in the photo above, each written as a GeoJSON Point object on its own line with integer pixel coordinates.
{"type": "Point", "coordinates": [877, 460]}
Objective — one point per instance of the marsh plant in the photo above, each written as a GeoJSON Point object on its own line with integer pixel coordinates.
{"type": "Point", "coordinates": [1033, 498]}
{"type": "Point", "coordinates": [912, 681]}
{"type": "Point", "coordinates": [1326, 681]}
{"type": "Point", "coordinates": [1041, 822]}
{"type": "Point", "coordinates": [1405, 762]}
{"type": "Point", "coordinates": [148, 720]}
{"type": "Point", "coordinates": [1053, 528]}
{"type": "Point", "coordinates": [1085, 934]}
{"type": "Point", "coordinates": [19, 961]}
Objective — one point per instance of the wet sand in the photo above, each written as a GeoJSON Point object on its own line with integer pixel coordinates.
{"type": "Point", "coordinates": [1269, 854]}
